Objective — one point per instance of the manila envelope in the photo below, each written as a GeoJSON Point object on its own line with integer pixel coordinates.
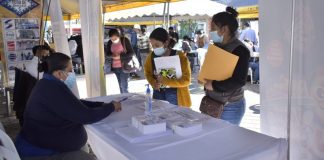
{"type": "Point", "coordinates": [218, 65]}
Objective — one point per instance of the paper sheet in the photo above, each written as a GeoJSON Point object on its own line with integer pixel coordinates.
{"type": "Point", "coordinates": [171, 63]}
{"type": "Point", "coordinates": [218, 65]}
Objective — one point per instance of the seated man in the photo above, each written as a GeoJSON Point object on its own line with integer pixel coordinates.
{"type": "Point", "coordinates": [54, 117]}
{"type": "Point", "coordinates": [253, 63]}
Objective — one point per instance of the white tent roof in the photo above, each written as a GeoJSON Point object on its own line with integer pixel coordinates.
{"type": "Point", "coordinates": [187, 7]}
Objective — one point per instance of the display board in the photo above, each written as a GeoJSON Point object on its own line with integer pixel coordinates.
{"type": "Point", "coordinates": [20, 35]}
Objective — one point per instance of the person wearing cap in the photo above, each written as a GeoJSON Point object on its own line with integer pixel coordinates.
{"type": "Point", "coordinates": [143, 44]}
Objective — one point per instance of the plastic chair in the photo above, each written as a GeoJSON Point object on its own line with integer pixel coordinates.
{"type": "Point", "coordinates": [7, 148]}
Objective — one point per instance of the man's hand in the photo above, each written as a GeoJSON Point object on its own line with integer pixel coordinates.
{"type": "Point", "coordinates": [117, 106]}
{"type": "Point", "coordinates": [209, 85]}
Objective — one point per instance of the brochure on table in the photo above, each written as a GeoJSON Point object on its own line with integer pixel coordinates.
{"type": "Point", "coordinates": [20, 35]}
{"type": "Point", "coordinates": [163, 122]}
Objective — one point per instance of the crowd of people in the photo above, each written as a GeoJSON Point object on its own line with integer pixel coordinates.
{"type": "Point", "coordinates": [54, 117]}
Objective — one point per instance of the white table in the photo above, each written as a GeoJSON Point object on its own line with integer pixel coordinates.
{"type": "Point", "coordinates": [217, 140]}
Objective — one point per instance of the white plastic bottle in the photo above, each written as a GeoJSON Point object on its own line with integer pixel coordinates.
{"type": "Point", "coordinates": [148, 101]}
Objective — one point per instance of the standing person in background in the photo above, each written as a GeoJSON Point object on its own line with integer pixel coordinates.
{"type": "Point", "coordinates": [175, 91]}
{"type": "Point", "coordinates": [143, 44]}
{"type": "Point", "coordinates": [230, 91]}
{"type": "Point", "coordinates": [174, 35]}
{"type": "Point", "coordinates": [134, 42]}
{"type": "Point", "coordinates": [121, 51]}
{"type": "Point", "coordinates": [248, 34]}
{"type": "Point", "coordinates": [40, 53]}
{"type": "Point", "coordinates": [201, 40]}
{"type": "Point", "coordinates": [186, 47]}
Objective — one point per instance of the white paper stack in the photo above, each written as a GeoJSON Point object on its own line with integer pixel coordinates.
{"type": "Point", "coordinates": [133, 135]}
{"type": "Point", "coordinates": [186, 128]}
{"type": "Point", "coordinates": [149, 124]}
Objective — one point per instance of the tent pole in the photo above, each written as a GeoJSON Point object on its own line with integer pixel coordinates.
{"type": "Point", "coordinates": [164, 7]}
{"type": "Point", "coordinates": [61, 43]}
{"type": "Point", "coordinates": [154, 20]}
{"type": "Point", "coordinates": [168, 15]}
{"type": "Point", "coordinates": [93, 46]}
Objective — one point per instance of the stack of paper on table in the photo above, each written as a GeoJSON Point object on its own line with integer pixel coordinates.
{"type": "Point", "coordinates": [186, 128]}
{"type": "Point", "coordinates": [133, 135]}
{"type": "Point", "coordinates": [182, 120]}
{"type": "Point", "coordinates": [149, 124]}
{"type": "Point", "coordinates": [218, 65]}
{"type": "Point", "coordinates": [169, 64]}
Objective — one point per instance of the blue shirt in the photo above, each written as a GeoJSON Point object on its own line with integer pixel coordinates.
{"type": "Point", "coordinates": [250, 35]}
{"type": "Point", "coordinates": [133, 36]}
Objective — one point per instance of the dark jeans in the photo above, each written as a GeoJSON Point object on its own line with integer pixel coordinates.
{"type": "Point", "coordinates": [255, 68]}
{"type": "Point", "coordinates": [167, 94]}
{"type": "Point", "coordinates": [122, 79]}
{"type": "Point", "coordinates": [138, 55]}
{"type": "Point", "coordinates": [233, 112]}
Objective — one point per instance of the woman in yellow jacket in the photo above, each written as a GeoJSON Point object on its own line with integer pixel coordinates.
{"type": "Point", "coordinates": [175, 91]}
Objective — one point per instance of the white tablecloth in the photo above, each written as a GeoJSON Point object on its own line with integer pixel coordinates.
{"type": "Point", "coordinates": [217, 140]}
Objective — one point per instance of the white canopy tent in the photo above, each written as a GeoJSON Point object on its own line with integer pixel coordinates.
{"type": "Point", "coordinates": [188, 7]}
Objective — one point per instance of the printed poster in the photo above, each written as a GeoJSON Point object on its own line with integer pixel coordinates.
{"type": "Point", "coordinates": [20, 35]}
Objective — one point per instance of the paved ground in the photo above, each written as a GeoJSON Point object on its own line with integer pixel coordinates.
{"type": "Point", "coordinates": [251, 119]}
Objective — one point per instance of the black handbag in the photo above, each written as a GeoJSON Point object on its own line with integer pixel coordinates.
{"type": "Point", "coordinates": [108, 65]}
{"type": "Point", "coordinates": [131, 65]}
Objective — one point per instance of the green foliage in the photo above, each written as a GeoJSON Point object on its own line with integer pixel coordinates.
{"type": "Point", "coordinates": [187, 28]}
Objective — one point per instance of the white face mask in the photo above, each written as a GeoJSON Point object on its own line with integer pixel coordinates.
{"type": "Point", "coordinates": [159, 51]}
{"type": "Point", "coordinates": [116, 41]}
{"type": "Point", "coordinates": [215, 37]}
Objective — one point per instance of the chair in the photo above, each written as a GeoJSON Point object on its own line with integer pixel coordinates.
{"type": "Point", "coordinates": [7, 148]}
{"type": "Point", "coordinates": [24, 83]}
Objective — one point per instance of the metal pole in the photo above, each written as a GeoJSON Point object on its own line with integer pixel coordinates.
{"type": "Point", "coordinates": [290, 77]}
{"type": "Point", "coordinates": [164, 7]}
{"type": "Point", "coordinates": [168, 15]}
{"type": "Point", "coordinates": [154, 20]}
{"type": "Point", "coordinates": [9, 111]}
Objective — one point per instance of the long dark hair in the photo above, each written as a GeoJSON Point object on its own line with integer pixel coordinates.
{"type": "Point", "coordinates": [162, 35]}
{"type": "Point", "coordinates": [227, 18]}
{"type": "Point", "coordinates": [54, 62]}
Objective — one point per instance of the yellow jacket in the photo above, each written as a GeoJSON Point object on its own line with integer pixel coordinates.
{"type": "Point", "coordinates": [181, 84]}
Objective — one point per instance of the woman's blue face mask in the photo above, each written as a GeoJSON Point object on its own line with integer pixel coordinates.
{"type": "Point", "coordinates": [70, 79]}
{"type": "Point", "coordinates": [215, 37]}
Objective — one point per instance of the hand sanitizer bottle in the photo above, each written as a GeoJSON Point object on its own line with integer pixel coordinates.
{"type": "Point", "coordinates": [148, 101]}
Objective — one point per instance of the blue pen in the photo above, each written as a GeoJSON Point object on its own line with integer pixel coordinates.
{"type": "Point", "coordinates": [124, 99]}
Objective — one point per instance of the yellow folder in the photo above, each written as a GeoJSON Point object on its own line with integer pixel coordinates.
{"type": "Point", "coordinates": [218, 65]}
